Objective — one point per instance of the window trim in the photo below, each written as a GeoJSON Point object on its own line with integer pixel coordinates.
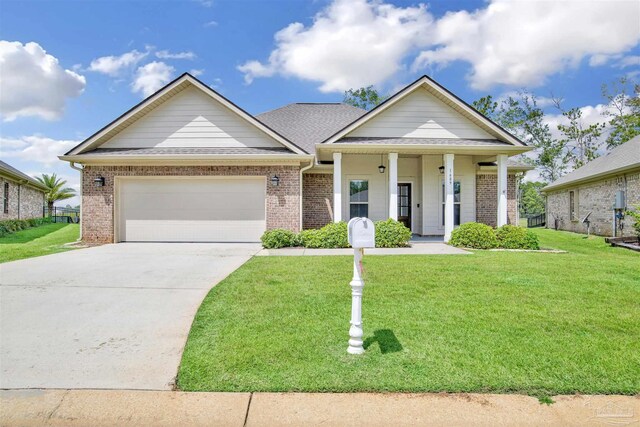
{"type": "Point", "coordinates": [349, 180]}
{"type": "Point", "coordinates": [573, 206]}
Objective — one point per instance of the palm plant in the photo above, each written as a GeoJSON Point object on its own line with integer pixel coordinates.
{"type": "Point", "coordinates": [57, 190]}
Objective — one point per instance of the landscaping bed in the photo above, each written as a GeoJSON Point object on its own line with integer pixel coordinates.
{"type": "Point", "coordinates": [504, 322]}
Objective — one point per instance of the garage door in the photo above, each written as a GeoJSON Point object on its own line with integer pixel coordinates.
{"type": "Point", "coordinates": [225, 209]}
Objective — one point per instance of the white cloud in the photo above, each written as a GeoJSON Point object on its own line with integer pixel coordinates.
{"type": "Point", "coordinates": [165, 54]}
{"type": "Point", "coordinates": [522, 42]}
{"type": "Point", "coordinates": [151, 77]}
{"type": "Point", "coordinates": [35, 148]}
{"type": "Point", "coordinates": [113, 65]}
{"type": "Point", "coordinates": [33, 83]}
{"type": "Point", "coordinates": [210, 24]}
{"type": "Point", "coordinates": [351, 43]}
{"type": "Point", "coordinates": [629, 61]}
{"type": "Point", "coordinates": [196, 72]}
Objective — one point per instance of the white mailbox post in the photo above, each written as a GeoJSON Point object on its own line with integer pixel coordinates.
{"type": "Point", "coordinates": [362, 235]}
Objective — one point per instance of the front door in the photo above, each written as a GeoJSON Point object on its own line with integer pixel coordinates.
{"type": "Point", "coordinates": [404, 204]}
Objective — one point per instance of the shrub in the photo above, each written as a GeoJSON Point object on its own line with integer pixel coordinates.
{"type": "Point", "coordinates": [12, 225]}
{"type": "Point", "coordinates": [391, 234]}
{"type": "Point", "coordinates": [474, 235]}
{"type": "Point", "coordinates": [512, 237]}
{"type": "Point", "coordinates": [332, 235]}
{"type": "Point", "coordinates": [278, 238]}
{"type": "Point", "coordinates": [635, 214]}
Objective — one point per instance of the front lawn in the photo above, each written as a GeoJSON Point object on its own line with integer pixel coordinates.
{"type": "Point", "coordinates": [43, 240]}
{"type": "Point", "coordinates": [536, 323]}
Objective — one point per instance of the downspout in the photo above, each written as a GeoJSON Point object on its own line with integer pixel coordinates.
{"type": "Point", "coordinates": [73, 166]}
{"type": "Point", "coordinates": [301, 172]}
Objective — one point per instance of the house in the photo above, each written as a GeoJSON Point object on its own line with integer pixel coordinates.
{"type": "Point", "coordinates": [187, 164]}
{"type": "Point", "coordinates": [592, 189]}
{"type": "Point", "coordinates": [22, 196]}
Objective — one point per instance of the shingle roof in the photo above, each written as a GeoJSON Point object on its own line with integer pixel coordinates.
{"type": "Point", "coordinates": [170, 151]}
{"type": "Point", "coordinates": [306, 124]}
{"type": "Point", "coordinates": [7, 169]}
{"type": "Point", "coordinates": [425, 141]}
{"type": "Point", "coordinates": [622, 157]}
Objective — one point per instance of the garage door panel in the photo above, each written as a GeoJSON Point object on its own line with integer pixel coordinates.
{"type": "Point", "coordinates": [191, 210]}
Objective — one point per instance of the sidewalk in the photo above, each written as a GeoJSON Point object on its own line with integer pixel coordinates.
{"type": "Point", "coordinates": [164, 408]}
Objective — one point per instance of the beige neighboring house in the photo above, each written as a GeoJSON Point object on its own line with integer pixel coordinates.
{"type": "Point", "coordinates": [22, 196]}
{"type": "Point", "coordinates": [187, 164]}
{"type": "Point", "coordinates": [592, 190]}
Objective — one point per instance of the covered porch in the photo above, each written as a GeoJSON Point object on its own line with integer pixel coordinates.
{"type": "Point", "coordinates": [431, 190]}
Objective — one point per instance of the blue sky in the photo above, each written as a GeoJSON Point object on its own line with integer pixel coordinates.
{"type": "Point", "coordinates": [264, 54]}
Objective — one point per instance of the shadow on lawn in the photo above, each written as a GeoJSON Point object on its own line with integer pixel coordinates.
{"type": "Point", "coordinates": [386, 339]}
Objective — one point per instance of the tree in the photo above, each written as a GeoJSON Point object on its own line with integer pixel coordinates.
{"type": "Point", "coordinates": [486, 106]}
{"type": "Point", "coordinates": [581, 141]}
{"type": "Point", "coordinates": [623, 111]}
{"type": "Point", "coordinates": [365, 97]}
{"type": "Point", "coordinates": [531, 201]}
{"type": "Point", "coordinates": [57, 190]}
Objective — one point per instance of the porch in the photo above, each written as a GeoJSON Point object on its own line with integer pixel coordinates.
{"type": "Point", "coordinates": [431, 193]}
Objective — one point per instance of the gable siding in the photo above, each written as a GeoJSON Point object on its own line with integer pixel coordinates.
{"type": "Point", "coordinates": [420, 115]}
{"type": "Point", "coordinates": [191, 119]}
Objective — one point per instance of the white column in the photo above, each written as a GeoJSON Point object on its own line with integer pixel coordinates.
{"type": "Point", "coordinates": [448, 196]}
{"type": "Point", "coordinates": [502, 189]}
{"type": "Point", "coordinates": [393, 186]}
{"type": "Point", "coordinates": [337, 187]}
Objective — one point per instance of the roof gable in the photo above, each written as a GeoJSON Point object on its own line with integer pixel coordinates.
{"type": "Point", "coordinates": [425, 109]}
{"type": "Point", "coordinates": [185, 113]}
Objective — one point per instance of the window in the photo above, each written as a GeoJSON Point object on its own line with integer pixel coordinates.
{"type": "Point", "coordinates": [456, 202]}
{"type": "Point", "coordinates": [573, 211]}
{"type": "Point", "coordinates": [358, 198]}
{"type": "Point", "coordinates": [5, 198]}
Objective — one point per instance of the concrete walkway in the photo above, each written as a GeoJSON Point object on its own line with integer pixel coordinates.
{"type": "Point", "coordinates": [113, 316]}
{"type": "Point", "coordinates": [415, 249]}
{"type": "Point", "coordinates": [149, 408]}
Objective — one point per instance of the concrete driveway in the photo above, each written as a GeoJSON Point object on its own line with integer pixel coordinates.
{"type": "Point", "coordinates": [110, 317]}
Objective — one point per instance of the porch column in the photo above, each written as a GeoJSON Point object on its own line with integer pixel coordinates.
{"type": "Point", "coordinates": [393, 186]}
{"type": "Point", "coordinates": [337, 187]}
{"type": "Point", "coordinates": [448, 196]}
{"type": "Point", "coordinates": [502, 189]}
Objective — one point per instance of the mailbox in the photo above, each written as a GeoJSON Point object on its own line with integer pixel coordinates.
{"type": "Point", "coordinates": [362, 233]}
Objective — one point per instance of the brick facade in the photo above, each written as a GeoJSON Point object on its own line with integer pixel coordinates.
{"type": "Point", "coordinates": [487, 199]}
{"type": "Point", "coordinates": [24, 201]}
{"type": "Point", "coordinates": [596, 197]}
{"type": "Point", "coordinates": [317, 200]}
{"type": "Point", "coordinates": [283, 201]}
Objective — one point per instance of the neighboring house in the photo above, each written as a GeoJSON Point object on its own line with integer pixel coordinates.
{"type": "Point", "coordinates": [22, 196]}
{"type": "Point", "coordinates": [186, 164]}
{"type": "Point", "coordinates": [592, 190]}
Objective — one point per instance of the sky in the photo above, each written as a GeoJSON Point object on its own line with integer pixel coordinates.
{"type": "Point", "coordinates": [67, 68]}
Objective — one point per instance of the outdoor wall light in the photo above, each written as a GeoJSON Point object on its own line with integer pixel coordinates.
{"type": "Point", "coordinates": [382, 167]}
{"type": "Point", "coordinates": [441, 169]}
{"type": "Point", "coordinates": [275, 180]}
{"type": "Point", "coordinates": [99, 181]}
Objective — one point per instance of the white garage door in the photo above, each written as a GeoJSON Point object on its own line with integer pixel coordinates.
{"type": "Point", "coordinates": [222, 209]}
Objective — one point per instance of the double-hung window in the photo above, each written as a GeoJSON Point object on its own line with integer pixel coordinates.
{"type": "Point", "coordinates": [358, 198]}
{"type": "Point", "coordinates": [456, 202]}
{"type": "Point", "coordinates": [5, 198]}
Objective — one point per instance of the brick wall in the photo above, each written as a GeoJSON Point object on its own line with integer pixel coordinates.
{"type": "Point", "coordinates": [487, 199]}
{"type": "Point", "coordinates": [595, 197]}
{"type": "Point", "coordinates": [283, 201]}
{"type": "Point", "coordinates": [317, 200]}
{"type": "Point", "coordinates": [31, 201]}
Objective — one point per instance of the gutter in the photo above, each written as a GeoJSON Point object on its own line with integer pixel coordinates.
{"type": "Point", "coordinates": [80, 169]}
{"type": "Point", "coordinates": [301, 172]}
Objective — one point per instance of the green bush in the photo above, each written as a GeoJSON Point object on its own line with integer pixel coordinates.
{"type": "Point", "coordinates": [474, 235]}
{"type": "Point", "coordinates": [512, 237]}
{"type": "Point", "coordinates": [332, 235]}
{"type": "Point", "coordinates": [391, 234]}
{"type": "Point", "coordinates": [278, 238]}
{"type": "Point", "coordinates": [635, 214]}
{"type": "Point", "coordinates": [12, 225]}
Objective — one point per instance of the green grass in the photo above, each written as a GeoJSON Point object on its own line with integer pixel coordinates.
{"type": "Point", "coordinates": [535, 323]}
{"type": "Point", "coordinates": [44, 240]}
